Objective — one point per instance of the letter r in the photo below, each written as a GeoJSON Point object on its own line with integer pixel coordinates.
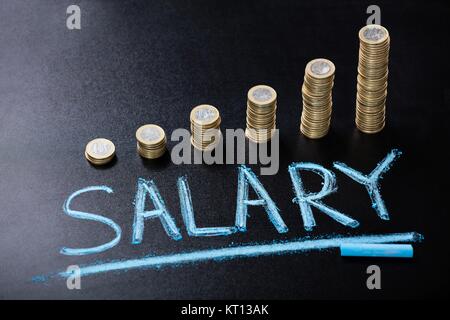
{"type": "Point", "coordinates": [306, 200]}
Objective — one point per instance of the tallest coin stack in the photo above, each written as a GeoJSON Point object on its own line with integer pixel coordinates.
{"type": "Point", "coordinates": [372, 78]}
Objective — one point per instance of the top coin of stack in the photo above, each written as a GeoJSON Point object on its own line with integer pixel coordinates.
{"type": "Point", "coordinates": [100, 151]}
{"type": "Point", "coordinates": [373, 71]}
{"type": "Point", "coordinates": [317, 98]}
{"type": "Point", "coordinates": [151, 141]}
{"type": "Point", "coordinates": [261, 113]}
{"type": "Point", "coordinates": [205, 127]}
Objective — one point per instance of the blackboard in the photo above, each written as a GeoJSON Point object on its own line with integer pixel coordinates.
{"type": "Point", "coordinates": [137, 62]}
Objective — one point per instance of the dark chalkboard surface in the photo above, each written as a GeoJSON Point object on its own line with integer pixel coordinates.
{"type": "Point", "coordinates": [137, 62]}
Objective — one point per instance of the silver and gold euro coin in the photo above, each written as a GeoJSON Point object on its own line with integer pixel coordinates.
{"type": "Point", "coordinates": [205, 127]}
{"type": "Point", "coordinates": [261, 113]}
{"type": "Point", "coordinates": [317, 98]}
{"type": "Point", "coordinates": [151, 141]}
{"type": "Point", "coordinates": [100, 151]}
{"type": "Point", "coordinates": [372, 79]}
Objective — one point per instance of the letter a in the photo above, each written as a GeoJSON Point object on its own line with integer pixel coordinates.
{"type": "Point", "coordinates": [246, 178]}
{"type": "Point", "coordinates": [145, 187]}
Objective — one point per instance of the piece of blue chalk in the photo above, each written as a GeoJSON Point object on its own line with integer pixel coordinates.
{"type": "Point", "coordinates": [376, 250]}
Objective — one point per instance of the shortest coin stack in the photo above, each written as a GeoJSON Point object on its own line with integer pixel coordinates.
{"type": "Point", "coordinates": [100, 151]}
{"type": "Point", "coordinates": [151, 141]}
{"type": "Point", "coordinates": [261, 113]}
{"type": "Point", "coordinates": [317, 98]}
{"type": "Point", "coordinates": [205, 127]}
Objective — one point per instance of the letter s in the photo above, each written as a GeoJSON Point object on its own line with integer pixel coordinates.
{"type": "Point", "coordinates": [90, 216]}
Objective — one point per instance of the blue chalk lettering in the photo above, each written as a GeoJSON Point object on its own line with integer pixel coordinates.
{"type": "Point", "coordinates": [93, 217]}
{"type": "Point", "coordinates": [371, 181]}
{"type": "Point", "coordinates": [247, 176]}
{"type": "Point", "coordinates": [376, 250]}
{"type": "Point", "coordinates": [187, 211]}
{"type": "Point", "coordinates": [145, 187]}
{"type": "Point", "coordinates": [306, 200]}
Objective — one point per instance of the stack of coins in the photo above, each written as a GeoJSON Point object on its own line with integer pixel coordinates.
{"type": "Point", "coordinates": [261, 113]}
{"type": "Point", "coordinates": [372, 78]}
{"type": "Point", "coordinates": [205, 127]}
{"type": "Point", "coordinates": [317, 98]}
{"type": "Point", "coordinates": [151, 141]}
{"type": "Point", "coordinates": [100, 151]}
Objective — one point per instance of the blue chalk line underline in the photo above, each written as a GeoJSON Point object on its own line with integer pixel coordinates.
{"type": "Point", "coordinates": [243, 251]}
